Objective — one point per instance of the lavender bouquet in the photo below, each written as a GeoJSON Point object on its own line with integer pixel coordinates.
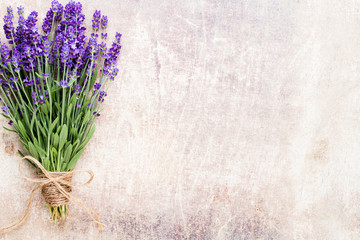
{"type": "Point", "coordinates": [52, 84]}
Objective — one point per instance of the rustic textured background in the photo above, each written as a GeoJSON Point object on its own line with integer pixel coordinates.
{"type": "Point", "coordinates": [234, 119]}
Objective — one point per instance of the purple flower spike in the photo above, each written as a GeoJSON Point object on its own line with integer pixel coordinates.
{"type": "Point", "coordinates": [33, 95]}
{"type": "Point", "coordinates": [64, 83]}
{"type": "Point", "coordinates": [97, 114]}
{"type": "Point", "coordinates": [114, 73]}
{"type": "Point", "coordinates": [102, 49]}
{"type": "Point", "coordinates": [78, 105]}
{"type": "Point", "coordinates": [8, 27]}
{"type": "Point", "coordinates": [104, 35]}
{"type": "Point", "coordinates": [15, 60]}
{"type": "Point", "coordinates": [46, 47]}
{"type": "Point", "coordinates": [10, 122]}
{"type": "Point", "coordinates": [57, 8]}
{"type": "Point", "coordinates": [104, 22]}
{"type": "Point", "coordinates": [96, 20]}
{"type": "Point", "coordinates": [102, 96]}
{"type": "Point", "coordinates": [47, 23]}
{"type": "Point", "coordinates": [65, 53]}
{"type": "Point", "coordinates": [28, 82]}
{"type": "Point", "coordinates": [77, 89]}
{"type": "Point", "coordinates": [111, 57]}
{"type": "Point", "coordinates": [41, 100]}
{"type": "Point", "coordinates": [4, 52]}
{"type": "Point", "coordinates": [97, 86]}
{"type": "Point", "coordinates": [118, 37]}
{"type": "Point", "coordinates": [10, 12]}
{"type": "Point", "coordinates": [5, 109]}
{"type": "Point", "coordinates": [21, 10]}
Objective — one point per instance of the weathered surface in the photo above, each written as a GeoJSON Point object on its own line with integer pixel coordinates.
{"type": "Point", "coordinates": [228, 120]}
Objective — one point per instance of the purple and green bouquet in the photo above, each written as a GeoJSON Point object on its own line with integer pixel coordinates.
{"type": "Point", "coordinates": [52, 83]}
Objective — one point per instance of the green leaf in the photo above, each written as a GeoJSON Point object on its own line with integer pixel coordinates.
{"type": "Point", "coordinates": [73, 161]}
{"type": "Point", "coordinates": [56, 140]}
{"type": "Point", "coordinates": [57, 105]}
{"type": "Point", "coordinates": [42, 130]}
{"type": "Point", "coordinates": [40, 150]}
{"type": "Point", "coordinates": [73, 99]}
{"type": "Point", "coordinates": [40, 76]}
{"type": "Point", "coordinates": [25, 145]}
{"type": "Point", "coordinates": [22, 129]}
{"type": "Point", "coordinates": [74, 133]}
{"type": "Point", "coordinates": [54, 152]}
{"type": "Point", "coordinates": [5, 116]}
{"type": "Point", "coordinates": [68, 152]}
{"type": "Point", "coordinates": [33, 120]}
{"type": "Point", "coordinates": [69, 111]}
{"type": "Point", "coordinates": [58, 130]}
{"type": "Point", "coordinates": [45, 162]}
{"type": "Point", "coordinates": [78, 117]}
{"type": "Point", "coordinates": [63, 136]}
{"type": "Point", "coordinates": [55, 89]}
{"type": "Point", "coordinates": [32, 150]}
{"type": "Point", "coordinates": [76, 144]}
{"type": "Point", "coordinates": [7, 129]}
{"type": "Point", "coordinates": [21, 154]}
{"type": "Point", "coordinates": [52, 126]}
{"type": "Point", "coordinates": [44, 108]}
{"type": "Point", "coordinates": [86, 117]}
{"type": "Point", "coordinates": [88, 137]}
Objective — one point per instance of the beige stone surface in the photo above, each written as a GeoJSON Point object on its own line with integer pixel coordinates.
{"type": "Point", "coordinates": [234, 119]}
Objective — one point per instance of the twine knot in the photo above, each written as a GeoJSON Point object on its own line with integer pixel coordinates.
{"type": "Point", "coordinates": [52, 196]}
{"type": "Point", "coordinates": [56, 187]}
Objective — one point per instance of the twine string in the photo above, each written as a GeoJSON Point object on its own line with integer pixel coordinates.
{"type": "Point", "coordinates": [63, 184]}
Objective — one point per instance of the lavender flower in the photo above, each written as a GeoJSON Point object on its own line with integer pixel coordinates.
{"type": "Point", "coordinates": [10, 12]}
{"type": "Point", "coordinates": [4, 52]}
{"type": "Point", "coordinates": [28, 42]}
{"type": "Point", "coordinates": [46, 48]}
{"type": "Point", "coordinates": [97, 86]}
{"type": "Point", "coordinates": [13, 86]}
{"type": "Point", "coordinates": [10, 122]}
{"type": "Point", "coordinates": [64, 83]}
{"type": "Point", "coordinates": [28, 82]}
{"type": "Point", "coordinates": [96, 20]}
{"type": "Point", "coordinates": [103, 35]}
{"type": "Point", "coordinates": [96, 114]}
{"type": "Point", "coordinates": [5, 109]}
{"type": "Point", "coordinates": [20, 11]}
{"type": "Point", "coordinates": [102, 95]}
{"type": "Point", "coordinates": [15, 60]}
{"type": "Point", "coordinates": [47, 23]}
{"type": "Point", "coordinates": [114, 73]}
{"type": "Point", "coordinates": [65, 53]}
{"type": "Point", "coordinates": [112, 55]}
{"type": "Point", "coordinates": [41, 99]}
{"type": "Point", "coordinates": [102, 49]}
{"type": "Point", "coordinates": [104, 22]}
{"type": "Point", "coordinates": [77, 89]}
{"type": "Point", "coordinates": [33, 95]}
{"type": "Point", "coordinates": [56, 9]}
{"type": "Point", "coordinates": [8, 27]}
{"type": "Point", "coordinates": [70, 31]}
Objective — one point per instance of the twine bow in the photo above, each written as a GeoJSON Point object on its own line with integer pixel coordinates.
{"type": "Point", "coordinates": [57, 181]}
